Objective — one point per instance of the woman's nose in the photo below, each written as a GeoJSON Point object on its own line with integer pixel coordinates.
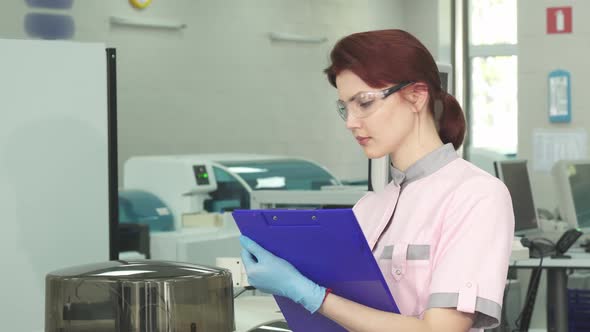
{"type": "Point", "coordinates": [352, 122]}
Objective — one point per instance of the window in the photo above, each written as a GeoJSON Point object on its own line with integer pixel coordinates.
{"type": "Point", "coordinates": [494, 64]}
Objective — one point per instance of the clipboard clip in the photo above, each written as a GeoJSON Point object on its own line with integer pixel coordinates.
{"type": "Point", "coordinates": [292, 218]}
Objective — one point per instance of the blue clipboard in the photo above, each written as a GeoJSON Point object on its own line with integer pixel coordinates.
{"type": "Point", "coordinates": [328, 247]}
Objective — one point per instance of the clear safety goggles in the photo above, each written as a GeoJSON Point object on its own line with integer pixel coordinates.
{"type": "Point", "coordinates": [365, 103]}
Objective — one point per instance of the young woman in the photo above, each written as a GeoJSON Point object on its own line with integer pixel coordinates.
{"type": "Point", "coordinates": [441, 231]}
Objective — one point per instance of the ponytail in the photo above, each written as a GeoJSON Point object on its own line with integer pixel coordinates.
{"type": "Point", "coordinates": [451, 121]}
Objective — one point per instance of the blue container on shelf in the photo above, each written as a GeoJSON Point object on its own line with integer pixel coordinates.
{"type": "Point", "coordinates": [142, 207]}
{"type": "Point", "coordinates": [578, 310]}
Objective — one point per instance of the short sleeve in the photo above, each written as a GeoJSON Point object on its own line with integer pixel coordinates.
{"type": "Point", "coordinates": [470, 262]}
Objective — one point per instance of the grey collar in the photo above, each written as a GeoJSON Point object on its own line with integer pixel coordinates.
{"type": "Point", "coordinates": [427, 165]}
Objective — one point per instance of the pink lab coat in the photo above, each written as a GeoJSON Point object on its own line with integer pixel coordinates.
{"type": "Point", "coordinates": [441, 233]}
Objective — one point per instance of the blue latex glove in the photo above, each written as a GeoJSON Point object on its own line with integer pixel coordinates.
{"type": "Point", "coordinates": [274, 275]}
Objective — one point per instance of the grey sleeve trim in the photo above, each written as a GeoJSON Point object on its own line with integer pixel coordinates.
{"type": "Point", "coordinates": [488, 312]}
{"type": "Point", "coordinates": [387, 252]}
{"type": "Point", "coordinates": [415, 252]}
{"type": "Point", "coordinates": [418, 252]}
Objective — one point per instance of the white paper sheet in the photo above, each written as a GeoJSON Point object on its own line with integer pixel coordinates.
{"type": "Point", "coordinates": [550, 146]}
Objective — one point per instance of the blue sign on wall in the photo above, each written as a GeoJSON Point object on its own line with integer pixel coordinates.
{"type": "Point", "coordinates": [49, 26]}
{"type": "Point", "coordinates": [53, 4]}
{"type": "Point", "coordinates": [560, 97]}
{"type": "Point", "coordinates": [45, 25]}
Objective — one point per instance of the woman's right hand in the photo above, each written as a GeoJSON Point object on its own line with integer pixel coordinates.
{"type": "Point", "coordinates": [274, 275]}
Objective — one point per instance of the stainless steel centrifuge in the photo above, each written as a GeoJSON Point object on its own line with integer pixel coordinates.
{"type": "Point", "coordinates": [139, 296]}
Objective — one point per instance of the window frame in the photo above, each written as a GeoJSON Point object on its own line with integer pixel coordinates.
{"type": "Point", "coordinates": [483, 51]}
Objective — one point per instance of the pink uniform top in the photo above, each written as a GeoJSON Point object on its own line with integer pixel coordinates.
{"type": "Point", "coordinates": [442, 235]}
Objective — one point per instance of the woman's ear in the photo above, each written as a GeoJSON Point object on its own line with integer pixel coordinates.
{"type": "Point", "coordinates": [417, 95]}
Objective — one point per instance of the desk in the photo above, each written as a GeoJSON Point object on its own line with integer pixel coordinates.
{"type": "Point", "coordinates": [557, 301]}
{"type": "Point", "coordinates": [253, 311]}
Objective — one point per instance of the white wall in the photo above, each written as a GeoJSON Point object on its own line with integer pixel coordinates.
{"type": "Point", "coordinates": [444, 31]}
{"type": "Point", "coordinates": [538, 54]}
{"type": "Point", "coordinates": [421, 19]}
{"type": "Point", "coordinates": [386, 14]}
{"type": "Point", "coordinates": [220, 85]}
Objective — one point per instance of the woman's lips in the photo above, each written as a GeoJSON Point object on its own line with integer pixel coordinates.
{"type": "Point", "coordinates": [363, 140]}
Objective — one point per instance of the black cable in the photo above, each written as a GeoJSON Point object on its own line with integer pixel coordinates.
{"type": "Point", "coordinates": [523, 320]}
{"type": "Point", "coordinates": [247, 288]}
{"type": "Point", "coordinates": [370, 185]}
{"type": "Point", "coordinates": [533, 293]}
{"type": "Point", "coordinates": [533, 283]}
{"type": "Point", "coordinates": [506, 324]}
{"type": "Point", "coordinates": [532, 246]}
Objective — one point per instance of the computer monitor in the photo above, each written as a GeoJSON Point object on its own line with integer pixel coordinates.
{"type": "Point", "coordinates": [515, 175]}
{"type": "Point", "coordinates": [572, 187]}
{"type": "Point", "coordinates": [379, 175]}
{"type": "Point", "coordinates": [445, 72]}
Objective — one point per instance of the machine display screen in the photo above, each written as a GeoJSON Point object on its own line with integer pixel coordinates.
{"type": "Point", "coordinates": [580, 184]}
{"type": "Point", "coordinates": [516, 177]}
{"type": "Point", "coordinates": [444, 81]}
{"type": "Point", "coordinates": [201, 175]}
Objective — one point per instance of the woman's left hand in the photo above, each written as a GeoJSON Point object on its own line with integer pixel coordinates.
{"type": "Point", "coordinates": [274, 275]}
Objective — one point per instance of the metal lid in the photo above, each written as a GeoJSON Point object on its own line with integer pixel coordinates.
{"type": "Point", "coordinates": [140, 269]}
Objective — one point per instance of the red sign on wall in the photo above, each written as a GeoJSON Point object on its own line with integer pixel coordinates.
{"type": "Point", "coordinates": [559, 20]}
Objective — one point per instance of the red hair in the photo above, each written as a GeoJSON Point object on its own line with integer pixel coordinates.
{"type": "Point", "coordinates": [385, 57]}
